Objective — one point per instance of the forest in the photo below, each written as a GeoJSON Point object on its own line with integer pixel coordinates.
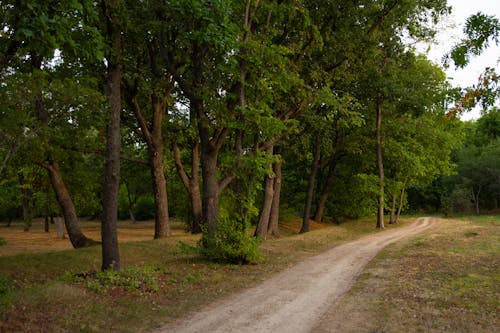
{"type": "Point", "coordinates": [232, 115]}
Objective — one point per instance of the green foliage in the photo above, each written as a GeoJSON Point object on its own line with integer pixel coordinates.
{"type": "Point", "coordinates": [230, 243]}
{"type": "Point", "coordinates": [145, 208]}
{"type": "Point", "coordinates": [134, 279]}
{"type": "Point", "coordinates": [2, 241]}
{"type": "Point", "coordinates": [479, 30]}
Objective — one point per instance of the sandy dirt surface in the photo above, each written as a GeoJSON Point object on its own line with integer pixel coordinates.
{"type": "Point", "coordinates": [296, 299]}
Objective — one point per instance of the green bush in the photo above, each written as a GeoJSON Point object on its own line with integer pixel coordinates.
{"type": "Point", "coordinates": [145, 208]}
{"type": "Point", "coordinates": [230, 244]}
{"type": "Point", "coordinates": [134, 279]}
{"type": "Point", "coordinates": [2, 241]}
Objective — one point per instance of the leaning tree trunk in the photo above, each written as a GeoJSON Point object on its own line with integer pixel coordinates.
{"type": "Point", "coordinates": [109, 234]}
{"type": "Point", "coordinates": [76, 236]}
{"type": "Point", "coordinates": [265, 211]}
{"type": "Point", "coordinates": [401, 198]}
{"type": "Point", "coordinates": [393, 209]}
{"type": "Point", "coordinates": [380, 165]}
{"type": "Point", "coordinates": [273, 227]}
{"type": "Point", "coordinates": [310, 185]}
{"type": "Point", "coordinates": [320, 208]}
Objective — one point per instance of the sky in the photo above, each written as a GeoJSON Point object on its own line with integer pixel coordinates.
{"type": "Point", "coordinates": [451, 32]}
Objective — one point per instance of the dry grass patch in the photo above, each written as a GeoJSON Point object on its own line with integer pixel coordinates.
{"type": "Point", "coordinates": [59, 292]}
{"type": "Point", "coordinates": [445, 280]}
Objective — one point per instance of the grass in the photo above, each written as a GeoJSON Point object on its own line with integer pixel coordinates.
{"type": "Point", "coordinates": [64, 290]}
{"type": "Point", "coordinates": [444, 280]}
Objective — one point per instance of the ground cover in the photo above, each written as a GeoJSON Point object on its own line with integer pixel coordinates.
{"type": "Point", "coordinates": [443, 280]}
{"type": "Point", "coordinates": [46, 286]}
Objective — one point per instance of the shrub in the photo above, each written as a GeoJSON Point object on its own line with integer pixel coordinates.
{"type": "Point", "coordinates": [134, 279]}
{"type": "Point", "coordinates": [145, 208]}
{"type": "Point", "coordinates": [2, 241]}
{"type": "Point", "coordinates": [230, 243]}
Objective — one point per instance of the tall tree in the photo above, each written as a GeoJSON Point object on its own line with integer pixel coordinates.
{"type": "Point", "coordinates": [112, 14]}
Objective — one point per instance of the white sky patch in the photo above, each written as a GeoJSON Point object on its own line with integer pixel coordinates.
{"type": "Point", "coordinates": [451, 31]}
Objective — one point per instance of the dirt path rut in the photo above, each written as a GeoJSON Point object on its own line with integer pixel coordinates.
{"type": "Point", "coordinates": [295, 299]}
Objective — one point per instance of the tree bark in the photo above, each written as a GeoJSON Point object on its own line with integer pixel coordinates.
{"type": "Point", "coordinates": [210, 201]}
{"type": "Point", "coordinates": [265, 212]}
{"type": "Point", "coordinates": [380, 165]}
{"type": "Point", "coordinates": [191, 184]}
{"type": "Point", "coordinates": [75, 234]}
{"type": "Point", "coordinates": [401, 198]}
{"type": "Point", "coordinates": [162, 225]}
{"type": "Point", "coordinates": [131, 204]}
{"type": "Point", "coordinates": [25, 201]}
{"type": "Point", "coordinates": [310, 185]}
{"type": "Point", "coordinates": [273, 227]}
{"type": "Point", "coordinates": [476, 199]}
{"type": "Point", "coordinates": [110, 252]}
{"type": "Point", "coordinates": [393, 210]}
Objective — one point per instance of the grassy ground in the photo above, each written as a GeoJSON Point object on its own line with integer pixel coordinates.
{"type": "Point", "coordinates": [47, 287]}
{"type": "Point", "coordinates": [444, 280]}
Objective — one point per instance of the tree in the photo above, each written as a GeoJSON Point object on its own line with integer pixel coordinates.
{"type": "Point", "coordinates": [113, 31]}
{"type": "Point", "coordinates": [31, 34]}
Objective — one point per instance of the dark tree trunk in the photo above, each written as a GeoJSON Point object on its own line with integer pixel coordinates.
{"type": "Point", "coordinates": [110, 252]}
{"type": "Point", "coordinates": [210, 201]}
{"type": "Point", "coordinates": [401, 198]}
{"type": "Point", "coordinates": [25, 201]}
{"type": "Point", "coordinates": [265, 212]}
{"type": "Point", "coordinates": [76, 236]}
{"type": "Point", "coordinates": [476, 199]}
{"type": "Point", "coordinates": [273, 227]}
{"type": "Point", "coordinates": [196, 207]}
{"type": "Point", "coordinates": [47, 211]}
{"type": "Point", "coordinates": [380, 165]}
{"type": "Point", "coordinates": [393, 209]}
{"type": "Point", "coordinates": [152, 133]}
{"type": "Point", "coordinates": [162, 225]}
{"type": "Point", "coordinates": [131, 204]}
{"type": "Point", "coordinates": [191, 184]}
{"type": "Point", "coordinates": [323, 199]}
{"type": "Point", "coordinates": [310, 185]}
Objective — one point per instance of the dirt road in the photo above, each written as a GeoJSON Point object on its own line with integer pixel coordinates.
{"type": "Point", "coordinates": [294, 300]}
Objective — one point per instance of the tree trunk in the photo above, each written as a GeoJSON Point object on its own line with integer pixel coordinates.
{"type": "Point", "coordinates": [191, 184]}
{"type": "Point", "coordinates": [196, 207]}
{"type": "Point", "coordinates": [131, 204]}
{"type": "Point", "coordinates": [401, 198]}
{"type": "Point", "coordinates": [380, 165]}
{"type": "Point", "coordinates": [162, 225]}
{"type": "Point", "coordinates": [393, 210]}
{"type": "Point", "coordinates": [110, 252]}
{"type": "Point", "coordinates": [75, 234]}
{"type": "Point", "coordinates": [476, 199]}
{"type": "Point", "coordinates": [310, 185]}
{"type": "Point", "coordinates": [320, 208]}
{"type": "Point", "coordinates": [273, 227]}
{"type": "Point", "coordinates": [210, 201]}
{"type": "Point", "coordinates": [265, 212]}
{"type": "Point", "coordinates": [25, 201]}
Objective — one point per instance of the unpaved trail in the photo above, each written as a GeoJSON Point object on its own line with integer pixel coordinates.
{"type": "Point", "coordinates": [294, 300]}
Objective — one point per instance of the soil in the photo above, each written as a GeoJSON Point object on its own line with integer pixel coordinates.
{"type": "Point", "coordinates": [299, 298]}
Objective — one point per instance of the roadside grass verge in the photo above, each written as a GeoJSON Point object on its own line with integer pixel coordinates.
{"type": "Point", "coordinates": [444, 280]}
{"type": "Point", "coordinates": [160, 280]}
